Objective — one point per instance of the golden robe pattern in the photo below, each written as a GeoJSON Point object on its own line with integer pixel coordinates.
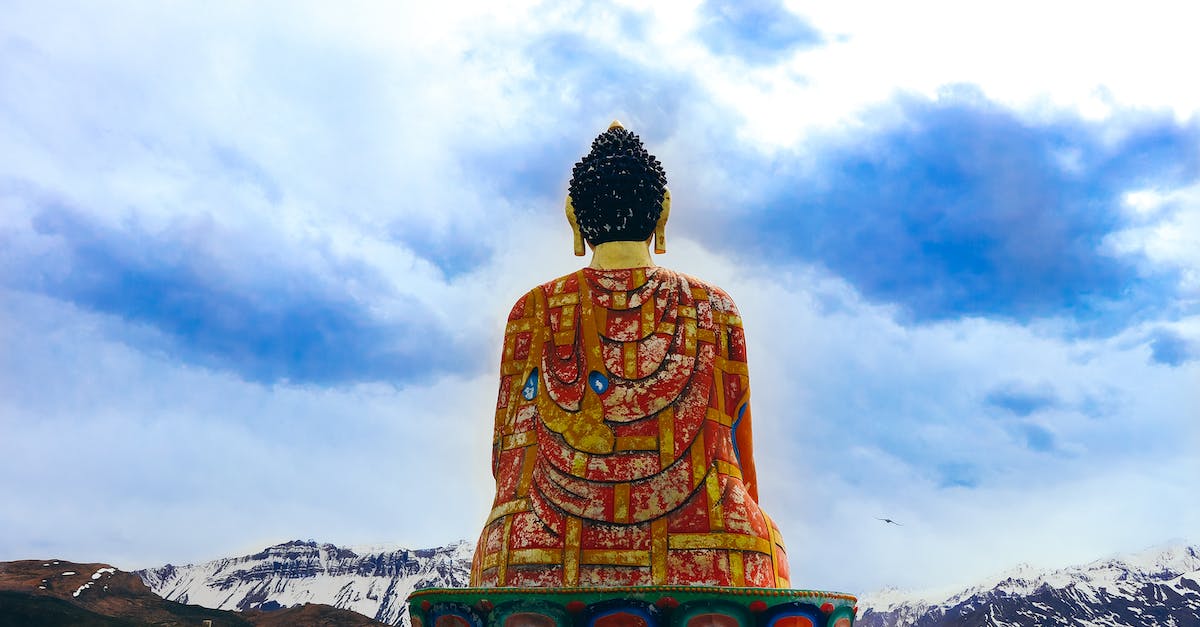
{"type": "Point", "coordinates": [622, 449]}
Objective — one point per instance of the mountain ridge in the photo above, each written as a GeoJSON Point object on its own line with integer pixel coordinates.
{"type": "Point", "coordinates": [372, 580]}
{"type": "Point", "coordinates": [306, 582]}
{"type": "Point", "coordinates": [1157, 586]}
{"type": "Point", "coordinates": [51, 593]}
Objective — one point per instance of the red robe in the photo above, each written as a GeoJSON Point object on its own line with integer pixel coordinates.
{"type": "Point", "coordinates": [622, 450]}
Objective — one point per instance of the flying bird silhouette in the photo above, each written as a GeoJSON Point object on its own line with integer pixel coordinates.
{"type": "Point", "coordinates": [889, 520]}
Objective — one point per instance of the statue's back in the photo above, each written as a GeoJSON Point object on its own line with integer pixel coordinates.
{"type": "Point", "coordinates": [621, 443]}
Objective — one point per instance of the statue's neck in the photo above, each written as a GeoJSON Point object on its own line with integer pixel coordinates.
{"type": "Point", "coordinates": [621, 255]}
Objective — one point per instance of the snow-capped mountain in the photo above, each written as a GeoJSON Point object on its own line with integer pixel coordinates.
{"type": "Point", "coordinates": [1159, 588]}
{"type": "Point", "coordinates": [373, 581]}
{"type": "Point", "coordinates": [1156, 588]}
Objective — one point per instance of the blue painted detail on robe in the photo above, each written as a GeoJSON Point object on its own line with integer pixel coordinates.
{"type": "Point", "coordinates": [598, 382]}
{"type": "Point", "coordinates": [531, 386]}
{"type": "Point", "coordinates": [733, 431]}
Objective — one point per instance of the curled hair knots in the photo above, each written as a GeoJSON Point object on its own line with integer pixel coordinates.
{"type": "Point", "coordinates": [617, 189]}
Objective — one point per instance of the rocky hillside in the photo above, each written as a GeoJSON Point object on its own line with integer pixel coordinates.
{"type": "Point", "coordinates": [373, 581]}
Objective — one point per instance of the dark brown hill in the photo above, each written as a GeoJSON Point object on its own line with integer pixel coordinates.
{"type": "Point", "coordinates": [314, 614]}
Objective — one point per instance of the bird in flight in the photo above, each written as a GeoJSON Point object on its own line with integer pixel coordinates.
{"type": "Point", "coordinates": [889, 520]}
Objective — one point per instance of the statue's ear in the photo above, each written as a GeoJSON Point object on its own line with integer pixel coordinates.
{"type": "Point", "coordinates": [660, 237]}
{"type": "Point", "coordinates": [570, 209]}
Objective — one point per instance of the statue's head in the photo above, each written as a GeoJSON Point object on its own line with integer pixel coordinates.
{"type": "Point", "coordinates": [618, 192]}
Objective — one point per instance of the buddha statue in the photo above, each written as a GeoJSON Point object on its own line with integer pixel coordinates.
{"type": "Point", "coordinates": [622, 447]}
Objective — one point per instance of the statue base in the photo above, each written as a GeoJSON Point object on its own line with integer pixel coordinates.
{"type": "Point", "coordinates": [634, 606]}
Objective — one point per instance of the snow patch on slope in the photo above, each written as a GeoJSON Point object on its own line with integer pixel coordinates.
{"type": "Point", "coordinates": [1111, 591]}
{"type": "Point", "coordinates": [372, 580]}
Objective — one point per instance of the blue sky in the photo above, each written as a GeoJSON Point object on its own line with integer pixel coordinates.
{"type": "Point", "coordinates": [254, 265]}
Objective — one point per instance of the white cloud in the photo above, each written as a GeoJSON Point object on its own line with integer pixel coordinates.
{"type": "Point", "coordinates": [121, 456]}
{"type": "Point", "coordinates": [1170, 242]}
{"type": "Point", "coordinates": [1083, 56]}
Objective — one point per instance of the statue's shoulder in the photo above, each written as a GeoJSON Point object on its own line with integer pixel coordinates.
{"type": "Point", "coordinates": [524, 307]}
{"type": "Point", "coordinates": [718, 299]}
{"type": "Point", "coordinates": [564, 289]}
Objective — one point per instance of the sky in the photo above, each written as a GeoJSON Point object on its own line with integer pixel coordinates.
{"type": "Point", "coordinates": [255, 260]}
